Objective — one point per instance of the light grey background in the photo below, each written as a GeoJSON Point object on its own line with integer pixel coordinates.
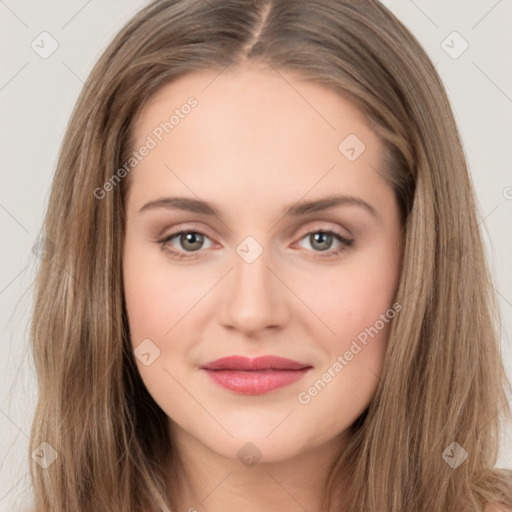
{"type": "Point", "coordinates": [36, 99]}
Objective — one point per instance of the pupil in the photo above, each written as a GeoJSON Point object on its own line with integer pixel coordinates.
{"type": "Point", "coordinates": [191, 238]}
{"type": "Point", "coordinates": [322, 238]}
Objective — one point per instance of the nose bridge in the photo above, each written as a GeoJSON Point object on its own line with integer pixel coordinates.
{"type": "Point", "coordinates": [254, 298]}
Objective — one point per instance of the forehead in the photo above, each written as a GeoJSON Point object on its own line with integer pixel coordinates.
{"type": "Point", "coordinates": [259, 99]}
{"type": "Point", "coordinates": [254, 129]}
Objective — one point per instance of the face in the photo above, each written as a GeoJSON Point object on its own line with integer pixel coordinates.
{"type": "Point", "coordinates": [271, 266]}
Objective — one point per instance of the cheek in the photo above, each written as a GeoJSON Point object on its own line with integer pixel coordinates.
{"type": "Point", "coordinates": [358, 306]}
{"type": "Point", "coordinates": [158, 296]}
{"type": "Point", "coordinates": [156, 300]}
{"type": "Point", "coordinates": [163, 304]}
{"type": "Point", "coordinates": [350, 298]}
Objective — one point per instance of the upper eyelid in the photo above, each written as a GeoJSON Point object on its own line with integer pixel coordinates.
{"type": "Point", "coordinates": [187, 227]}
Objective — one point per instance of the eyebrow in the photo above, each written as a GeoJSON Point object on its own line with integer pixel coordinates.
{"type": "Point", "coordinates": [295, 210]}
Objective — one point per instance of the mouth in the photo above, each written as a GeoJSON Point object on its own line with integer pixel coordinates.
{"type": "Point", "coordinates": [257, 376]}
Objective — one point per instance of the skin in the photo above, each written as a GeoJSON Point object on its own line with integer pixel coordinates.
{"type": "Point", "coordinates": [257, 142]}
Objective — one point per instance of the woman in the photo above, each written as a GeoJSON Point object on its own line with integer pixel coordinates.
{"type": "Point", "coordinates": [318, 346]}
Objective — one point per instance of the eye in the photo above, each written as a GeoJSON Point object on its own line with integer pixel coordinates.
{"type": "Point", "coordinates": [322, 240]}
{"type": "Point", "coordinates": [191, 241]}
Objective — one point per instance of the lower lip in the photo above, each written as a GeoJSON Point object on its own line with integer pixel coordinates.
{"type": "Point", "coordinates": [255, 382]}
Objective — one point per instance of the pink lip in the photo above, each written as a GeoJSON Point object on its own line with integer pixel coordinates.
{"type": "Point", "coordinates": [254, 376]}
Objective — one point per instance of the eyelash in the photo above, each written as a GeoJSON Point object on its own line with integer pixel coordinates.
{"type": "Point", "coordinates": [180, 255]}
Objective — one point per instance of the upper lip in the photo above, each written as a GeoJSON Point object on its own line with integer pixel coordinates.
{"type": "Point", "coordinates": [257, 364]}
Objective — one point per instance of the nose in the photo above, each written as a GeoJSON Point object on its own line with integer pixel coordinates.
{"type": "Point", "coordinates": [255, 298]}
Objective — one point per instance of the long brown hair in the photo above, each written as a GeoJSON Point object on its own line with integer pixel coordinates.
{"type": "Point", "coordinates": [442, 380]}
